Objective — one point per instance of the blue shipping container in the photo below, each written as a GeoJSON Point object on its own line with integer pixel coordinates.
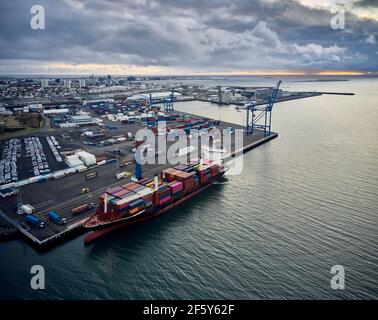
{"type": "Point", "coordinates": [54, 216]}
{"type": "Point", "coordinates": [136, 203]}
{"type": "Point", "coordinates": [32, 219]}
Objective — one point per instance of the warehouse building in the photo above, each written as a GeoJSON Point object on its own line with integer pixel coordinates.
{"type": "Point", "coordinates": [88, 158]}
{"type": "Point", "coordinates": [82, 120]}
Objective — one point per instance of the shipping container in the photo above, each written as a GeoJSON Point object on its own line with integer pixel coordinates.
{"type": "Point", "coordinates": [54, 216]}
{"type": "Point", "coordinates": [165, 200]}
{"type": "Point", "coordinates": [121, 193]}
{"type": "Point", "coordinates": [131, 186]}
{"type": "Point", "coordinates": [181, 167]}
{"type": "Point", "coordinates": [33, 220]}
{"type": "Point", "coordinates": [80, 209]}
{"type": "Point", "coordinates": [136, 203]}
{"type": "Point", "coordinates": [141, 188]}
{"type": "Point", "coordinates": [114, 190]}
{"type": "Point", "coordinates": [135, 210]}
{"type": "Point", "coordinates": [127, 199]}
{"type": "Point", "coordinates": [131, 193]}
{"type": "Point", "coordinates": [176, 186]}
{"type": "Point", "coordinates": [27, 208]}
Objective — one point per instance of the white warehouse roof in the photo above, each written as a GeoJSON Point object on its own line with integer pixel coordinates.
{"type": "Point", "coordinates": [53, 111]}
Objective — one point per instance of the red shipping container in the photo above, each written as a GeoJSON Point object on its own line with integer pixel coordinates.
{"type": "Point", "coordinates": [130, 185]}
{"type": "Point", "coordinates": [121, 193]}
{"type": "Point", "coordinates": [148, 198]}
{"type": "Point", "coordinates": [165, 200]}
{"type": "Point", "coordinates": [176, 186]}
{"type": "Point", "coordinates": [134, 186]}
{"type": "Point", "coordinates": [112, 191]}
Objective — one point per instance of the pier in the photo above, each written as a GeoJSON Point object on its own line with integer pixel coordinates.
{"type": "Point", "coordinates": [64, 194]}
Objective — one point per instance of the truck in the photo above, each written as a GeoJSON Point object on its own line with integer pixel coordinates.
{"type": "Point", "coordinates": [34, 221]}
{"type": "Point", "coordinates": [82, 208]}
{"type": "Point", "coordinates": [124, 174]}
{"type": "Point", "coordinates": [27, 208]}
{"type": "Point", "coordinates": [91, 175]}
{"type": "Point", "coordinates": [55, 217]}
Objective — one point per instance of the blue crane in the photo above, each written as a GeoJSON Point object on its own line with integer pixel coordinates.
{"type": "Point", "coordinates": [168, 102]}
{"type": "Point", "coordinates": [260, 117]}
{"type": "Point", "coordinates": [151, 100]}
{"type": "Point", "coordinates": [138, 173]}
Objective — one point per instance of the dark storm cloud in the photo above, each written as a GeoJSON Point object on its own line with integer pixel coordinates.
{"type": "Point", "coordinates": [367, 3]}
{"type": "Point", "coordinates": [217, 35]}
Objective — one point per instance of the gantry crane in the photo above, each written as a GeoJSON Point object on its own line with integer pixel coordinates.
{"type": "Point", "coordinates": [168, 102]}
{"type": "Point", "coordinates": [260, 117]}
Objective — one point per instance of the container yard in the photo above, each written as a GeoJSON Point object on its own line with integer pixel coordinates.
{"type": "Point", "coordinates": [60, 208]}
{"type": "Point", "coordinates": [52, 184]}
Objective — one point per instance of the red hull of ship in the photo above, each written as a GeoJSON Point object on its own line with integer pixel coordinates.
{"type": "Point", "coordinates": [118, 225]}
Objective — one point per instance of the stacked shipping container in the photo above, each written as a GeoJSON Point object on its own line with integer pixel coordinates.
{"type": "Point", "coordinates": [132, 198]}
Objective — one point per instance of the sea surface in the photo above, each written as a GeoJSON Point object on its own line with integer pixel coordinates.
{"type": "Point", "coordinates": [305, 202]}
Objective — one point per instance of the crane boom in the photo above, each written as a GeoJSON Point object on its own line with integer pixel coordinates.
{"type": "Point", "coordinates": [273, 97]}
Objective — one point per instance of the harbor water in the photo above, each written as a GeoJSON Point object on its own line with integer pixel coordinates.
{"type": "Point", "coordinates": [305, 202]}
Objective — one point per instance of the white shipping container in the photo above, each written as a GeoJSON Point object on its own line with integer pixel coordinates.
{"type": "Point", "coordinates": [58, 174]}
{"type": "Point", "coordinates": [27, 208]}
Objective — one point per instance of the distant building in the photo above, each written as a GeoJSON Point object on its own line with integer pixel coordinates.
{"type": "Point", "coordinates": [55, 111]}
{"type": "Point", "coordinates": [226, 96]}
{"type": "Point", "coordinates": [5, 112]}
{"type": "Point", "coordinates": [265, 93]}
{"type": "Point", "coordinates": [67, 84]}
{"type": "Point", "coordinates": [219, 94]}
{"type": "Point", "coordinates": [82, 83]}
{"type": "Point", "coordinates": [2, 124]}
{"type": "Point", "coordinates": [37, 107]}
{"type": "Point", "coordinates": [45, 83]}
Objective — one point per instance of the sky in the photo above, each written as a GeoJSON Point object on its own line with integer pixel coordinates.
{"type": "Point", "coordinates": [190, 37]}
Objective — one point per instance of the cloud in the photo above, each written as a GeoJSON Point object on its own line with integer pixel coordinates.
{"type": "Point", "coordinates": [371, 39]}
{"type": "Point", "coordinates": [182, 36]}
{"type": "Point", "coordinates": [366, 3]}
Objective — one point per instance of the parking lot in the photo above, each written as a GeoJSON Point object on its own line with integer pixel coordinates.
{"type": "Point", "coordinates": [27, 157]}
{"type": "Point", "coordinates": [11, 152]}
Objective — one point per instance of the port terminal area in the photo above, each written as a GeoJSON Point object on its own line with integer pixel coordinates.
{"type": "Point", "coordinates": [65, 194]}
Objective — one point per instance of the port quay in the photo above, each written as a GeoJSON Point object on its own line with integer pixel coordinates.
{"type": "Point", "coordinates": [53, 175]}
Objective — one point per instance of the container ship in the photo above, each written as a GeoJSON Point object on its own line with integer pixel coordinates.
{"type": "Point", "coordinates": [148, 198]}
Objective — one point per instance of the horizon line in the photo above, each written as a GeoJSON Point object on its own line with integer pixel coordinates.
{"type": "Point", "coordinates": [207, 74]}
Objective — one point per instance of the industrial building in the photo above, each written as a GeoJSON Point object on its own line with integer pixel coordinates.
{"type": "Point", "coordinates": [87, 158]}
{"type": "Point", "coordinates": [73, 161]}
{"type": "Point", "coordinates": [82, 120]}
{"type": "Point", "coordinates": [56, 111]}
